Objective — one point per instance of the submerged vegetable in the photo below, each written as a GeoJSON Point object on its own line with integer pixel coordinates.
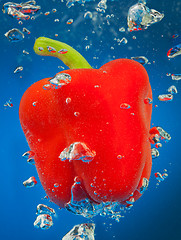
{"type": "Point", "coordinates": [77, 128]}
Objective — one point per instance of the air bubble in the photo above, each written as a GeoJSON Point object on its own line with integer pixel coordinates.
{"type": "Point", "coordinates": [61, 79]}
{"type": "Point", "coordinates": [43, 221]}
{"type": "Point", "coordinates": [77, 151]}
{"type": "Point", "coordinates": [44, 209]}
{"type": "Point", "coordinates": [31, 182]}
{"type": "Point", "coordinates": [68, 100]}
{"type": "Point", "coordinates": [125, 106]}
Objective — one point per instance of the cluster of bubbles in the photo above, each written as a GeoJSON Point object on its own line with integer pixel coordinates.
{"type": "Point", "coordinates": [81, 231]}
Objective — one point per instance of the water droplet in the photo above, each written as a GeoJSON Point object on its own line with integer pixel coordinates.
{"type": "Point", "coordinates": [88, 15]}
{"type": "Point", "coordinates": [43, 221]}
{"type": "Point", "coordinates": [122, 29]}
{"type": "Point", "coordinates": [76, 114]}
{"type": "Point", "coordinates": [124, 106]}
{"type": "Point", "coordinates": [77, 151]}
{"type": "Point", "coordinates": [119, 157]}
{"type": "Point", "coordinates": [63, 51]}
{"type": "Point", "coordinates": [25, 52]}
{"type": "Point", "coordinates": [18, 10]}
{"type": "Point", "coordinates": [44, 209]}
{"type": "Point", "coordinates": [51, 49]}
{"type": "Point", "coordinates": [124, 40]}
{"type": "Point", "coordinates": [60, 79]}
{"type": "Point", "coordinates": [148, 100]}
{"type": "Point", "coordinates": [40, 49]}
{"type": "Point", "coordinates": [56, 185]}
{"type": "Point", "coordinates": [34, 104]}
{"type": "Point", "coordinates": [174, 51]}
{"type": "Point", "coordinates": [26, 30]}
{"type": "Point", "coordinates": [31, 182]}
{"type": "Point", "coordinates": [14, 35]}
{"type": "Point", "coordinates": [165, 97]}
{"type": "Point", "coordinates": [141, 17]}
{"type": "Point", "coordinates": [18, 69]}
{"type": "Point", "coordinates": [141, 59]}
{"type": "Point", "coordinates": [159, 177]}
{"type": "Point", "coordinates": [70, 21]}
{"type": "Point", "coordinates": [172, 89]}
{"type": "Point", "coordinates": [130, 200]}
{"type": "Point", "coordinates": [144, 185]}
{"type": "Point", "coordinates": [102, 6]}
{"type": "Point", "coordinates": [8, 103]}
{"type": "Point", "coordinates": [164, 135]}
{"type": "Point", "coordinates": [83, 231]}
{"type": "Point", "coordinates": [46, 13]}
{"type": "Point", "coordinates": [176, 76]}
{"type": "Point", "coordinates": [68, 100]}
{"type": "Point", "coordinates": [154, 153]}
{"type": "Point", "coordinates": [47, 86]}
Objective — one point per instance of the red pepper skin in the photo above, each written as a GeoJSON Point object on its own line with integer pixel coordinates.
{"type": "Point", "coordinates": [51, 126]}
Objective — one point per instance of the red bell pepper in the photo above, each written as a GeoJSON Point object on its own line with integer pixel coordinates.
{"type": "Point", "coordinates": [99, 113]}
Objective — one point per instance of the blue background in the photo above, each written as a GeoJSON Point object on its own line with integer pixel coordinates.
{"type": "Point", "coordinates": [157, 215]}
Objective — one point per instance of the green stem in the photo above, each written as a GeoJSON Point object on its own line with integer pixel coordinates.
{"type": "Point", "coordinates": [71, 58]}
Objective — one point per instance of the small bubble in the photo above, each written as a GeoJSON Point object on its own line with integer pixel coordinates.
{"type": "Point", "coordinates": [51, 49]}
{"type": "Point", "coordinates": [56, 185]}
{"type": "Point", "coordinates": [124, 40]}
{"type": "Point", "coordinates": [40, 49]}
{"type": "Point", "coordinates": [119, 157]}
{"type": "Point", "coordinates": [47, 87]}
{"type": "Point", "coordinates": [125, 106]}
{"type": "Point", "coordinates": [88, 15]}
{"type": "Point", "coordinates": [25, 52]}
{"type": "Point", "coordinates": [63, 51]}
{"type": "Point", "coordinates": [68, 100]}
{"type": "Point", "coordinates": [70, 21]}
{"type": "Point", "coordinates": [34, 104]}
{"type": "Point", "coordinates": [172, 89]}
{"type": "Point", "coordinates": [148, 100]}
{"type": "Point", "coordinates": [18, 69]}
{"type": "Point", "coordinates": [46, 13]}
{"type": "Point", "coordinates": [76, 114]}
{"type": "Point", "coordinates": [122, 29]}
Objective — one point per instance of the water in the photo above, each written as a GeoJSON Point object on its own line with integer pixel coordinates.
{"type": "Point", "coordinates": [156, 214]}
